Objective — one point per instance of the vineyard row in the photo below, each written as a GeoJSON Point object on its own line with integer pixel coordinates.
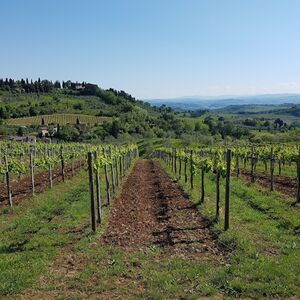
{"type": "Point", "coordinates": [223, 162]}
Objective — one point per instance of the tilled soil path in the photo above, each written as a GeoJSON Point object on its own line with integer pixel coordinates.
{"type": "Point", "coordinates": [153, 210]}
{"type": "Point", "coordinates": [283, 184]}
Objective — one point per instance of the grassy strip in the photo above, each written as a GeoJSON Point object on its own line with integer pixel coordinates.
{"type": "Point", "coordinates": [112, 273]}
{"type": "Point", "coordinates": [286, 169]}
{"type": "Point", "coordinates": [32, 234]}
{"type": "Point", "coordinates": [271, 203]}
{"type": "Point", "coordinates": [265, 247]}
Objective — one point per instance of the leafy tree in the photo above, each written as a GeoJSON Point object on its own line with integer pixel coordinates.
{"type": "Point", "coordinates": [115, 128]}
{"type": "Point", "coordinates": [57, 84]}
{"type": "Point", "coordinates": [77, 106]}
{"type": "Point", "coordinates": [20, 131]}
{"type": "Point", "coordinates": [32, 111]}
{"type": "Point", "coordinates": [3, 113]}
{"type": "Point", "coordinates": [68, 133]}
{"type": "Point", "coordinates": [278, 122]}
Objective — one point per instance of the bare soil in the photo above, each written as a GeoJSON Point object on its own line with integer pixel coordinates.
{"type": "Point", "coordinates": [283, 184]}
{"type": "Point", "coordinates": [153, 210]}
{"type": "Point", "coordinates": [22, 189]}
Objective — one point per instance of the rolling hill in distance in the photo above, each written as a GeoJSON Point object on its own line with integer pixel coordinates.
{"type": "Point", "coordinates": [217, 102]}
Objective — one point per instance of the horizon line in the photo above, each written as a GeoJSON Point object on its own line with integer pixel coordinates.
{"type": "Point", "coordinates": [225, 96]}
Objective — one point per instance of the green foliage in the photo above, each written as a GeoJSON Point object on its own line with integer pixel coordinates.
{"type": "Point", "coordinates": [130, 116]}
{"type": "Point", "coordinates": [30, 240]}
{"type": "Point", "coordinates": [68, 133]}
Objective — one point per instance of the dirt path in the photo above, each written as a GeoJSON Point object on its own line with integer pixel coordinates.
{"type": "Point", "coordinates": [283, 184]}
{"type": "Point", "coordinates": [150, 213]}
{"type": "Point", "coordinates": [153, 210]}
{"type": "Point", "coordinates": [21, 189]}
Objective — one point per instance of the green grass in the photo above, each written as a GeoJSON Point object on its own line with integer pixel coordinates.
{"type": "Point", "coordinates": [264, 238]}
{"type": "Point", "coordinates": [286, 169]}
{"type": "Point", "coordinates": [32, 234]}
{"type": "Point", "coordinates": [61, 119]}
{"type": "Point", "coordinates": [263, 244]}
{"type": "Point", "coordinates": [114, 272]}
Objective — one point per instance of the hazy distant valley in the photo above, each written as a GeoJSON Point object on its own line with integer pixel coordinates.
{"type": "Point", "coordinates": [202, 102]}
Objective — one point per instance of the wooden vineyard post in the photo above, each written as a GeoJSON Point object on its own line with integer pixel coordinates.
{"type": "Point", "coordinates": [272, 171]}
{"type": "Point", "coordinates": [117, 171]}
{"type": "Point", "coordinates": [9, 192]}
{"type": "Point", "coordinates": [279, 167]}
{"type": "Point", "coordinates": [91, 182]}
{"type": "Point", "coordinates": [252, 166]}
{"type": "Point", "coordinates": [107, 181]}
{"type": "Point", "coordinates": [227, 189]}
{"type": "Point", "coordinates": [180, 167]}
{"type": "Point", "coordinates": [124, 162]}
{"type": "Point", "coordinates": [62, 163]}
{"type": "Point", "coordinates": [298, 175]}
{"type": "Point", "coordinates": [202, 186]}
{"type": "Point", "coordinates": [218, 175]}
{"type": "Point", "coordinates": [120, 167]}
{"type": "Point", "coordinates": [172, 160]}
{"type": "Point", "coordinates": [237, 166]}
{"type": "Point", "coordinates": [98, 191]}
{"type": "Point", "coordinates": [112, 171]}
{"type": "Point", "coordinates": [31, 171]}
{"type": "Point", "coordinates": [128, 160]}
{"type": "Point", "coordinates": [185, 170]}
{"type": "Point", "coordinates": [50, 171]}
{"type": "Point", "coordinates": [45, 151]}
{"type": "Point", "coordinates": [175, 161]}
{"type": "Point", "coordinates": [202, 180]}
{"type": "Point", "coordinates": [191, 170]}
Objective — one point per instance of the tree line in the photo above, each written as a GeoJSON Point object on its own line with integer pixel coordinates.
{"type": "Point", "coordinates": [37, 86]}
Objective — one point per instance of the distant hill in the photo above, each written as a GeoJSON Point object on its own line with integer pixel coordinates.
{"type": "Point", "coordinates": [199, 102]}
{"type": "Point", "coordinates": [110, 113]}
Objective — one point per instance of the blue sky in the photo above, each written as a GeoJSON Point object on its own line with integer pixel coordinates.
{"type": "Point", "coordinates": [155, 48]}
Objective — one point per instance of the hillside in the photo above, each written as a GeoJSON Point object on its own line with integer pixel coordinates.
{"type": "Point", "coordinates": [24, 103]}
{"type": "Point", "coordinates": [61, 119]}
{"type": "Point", "coordinates": [113, 115]}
